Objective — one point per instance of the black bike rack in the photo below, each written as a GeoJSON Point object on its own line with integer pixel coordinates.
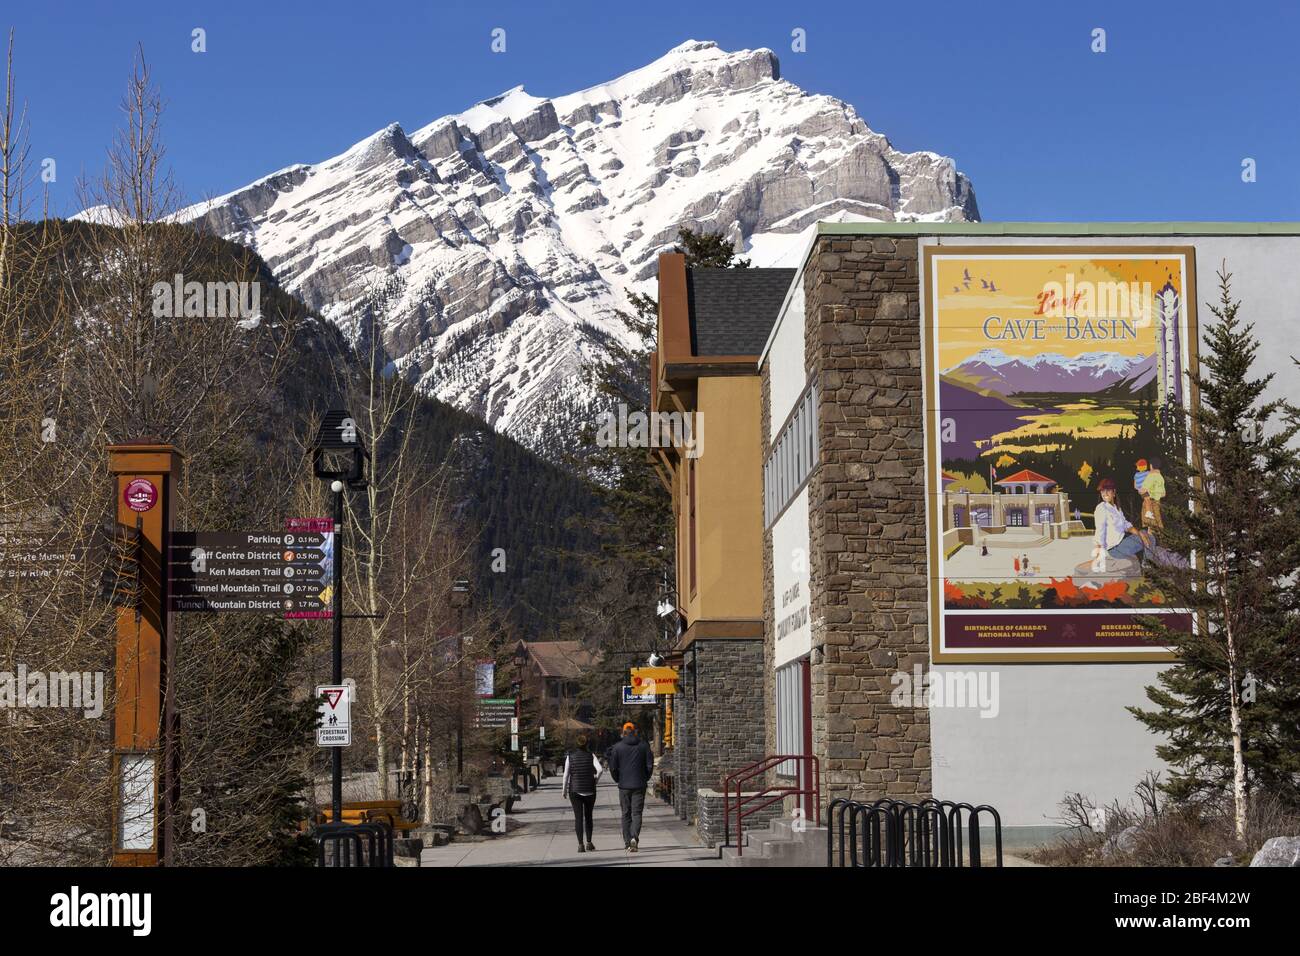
{"type": "Point", "coordinates": [896, 833]}
{"type": "Point", "coordinates": [354, 844]}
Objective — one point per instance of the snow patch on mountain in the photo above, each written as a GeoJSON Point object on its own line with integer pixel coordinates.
{"type": "Point", "coordinates": [513, 232]}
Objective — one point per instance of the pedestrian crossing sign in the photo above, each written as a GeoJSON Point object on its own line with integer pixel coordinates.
{"type": "Point", "coordinates": [335, 710]}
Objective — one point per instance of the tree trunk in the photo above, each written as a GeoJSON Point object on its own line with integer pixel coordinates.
{"type": "Point", "coordinates": [428, 776]}
{"type": "Point", "coordinates": [1238, 757]}
{"type": "Point", "coordinates": [405, 744]}
{"type": "Point", "coordinates": [376, 701]}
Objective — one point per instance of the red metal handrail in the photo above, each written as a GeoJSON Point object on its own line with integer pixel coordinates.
{"type": "Point", "coordinates": [809, 773]}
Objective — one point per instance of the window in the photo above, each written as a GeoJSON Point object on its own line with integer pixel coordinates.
{"type": "Point", "coordinates": [793, 457]}
{"type": "Point", "coordinates": [691, 528]}
{"type": "Point", "coordinates": [790, 714]}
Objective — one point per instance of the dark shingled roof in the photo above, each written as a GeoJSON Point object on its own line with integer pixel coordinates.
{"type": "Point", "coordinates": [733, 310]}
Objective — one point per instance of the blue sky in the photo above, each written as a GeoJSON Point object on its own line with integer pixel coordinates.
{"type": "Point", "coordinates": [1154, 128]}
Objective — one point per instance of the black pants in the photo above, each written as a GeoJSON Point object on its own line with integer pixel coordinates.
{"type": "Point", "coordinates": [582, 808]}
{"type": "Point", "coordinates": [632, 803]}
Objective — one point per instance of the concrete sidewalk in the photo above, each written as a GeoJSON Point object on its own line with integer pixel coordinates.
{"type": "Point", "coordinates": [541, 834]}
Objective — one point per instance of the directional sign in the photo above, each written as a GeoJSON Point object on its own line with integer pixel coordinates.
{"type": "Point", "coordinates": [30, 551]}
{"type": "Point", "coordinates": [631, 698]}
{"type": "Point", "coordinates": [495, 712]}
{"type": "Point", "coordinates": [290, 571]}
{"type": "Point", "coordinates": [335, 727]}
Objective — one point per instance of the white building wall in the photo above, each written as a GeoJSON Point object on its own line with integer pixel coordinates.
{"type": "Point", "coordinates": [786, 359]}
{"type": "Point", "coordinates": [790, 598]}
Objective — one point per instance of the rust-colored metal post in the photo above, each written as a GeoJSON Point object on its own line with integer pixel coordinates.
{"type": "Point", "coordinates": [144, 718]}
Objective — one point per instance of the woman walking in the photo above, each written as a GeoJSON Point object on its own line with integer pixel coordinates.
{"type": "Point", "coordinates": [581, 771]}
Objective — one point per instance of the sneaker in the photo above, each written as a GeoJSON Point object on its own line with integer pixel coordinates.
{"type": "Point", "coordinates": [581, 848]}
{"type": "Point", "coordinates": [591, 848]}
{"type": "Point", "coordinates": [632, 846]}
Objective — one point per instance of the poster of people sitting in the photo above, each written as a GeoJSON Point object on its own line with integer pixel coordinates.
{"type": "Point", "coordinates": [1054, 382]}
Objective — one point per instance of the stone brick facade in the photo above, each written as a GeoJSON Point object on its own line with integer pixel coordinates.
{"type": "Point", "coordinates": [712, 825]}
{"type": "Point", "coordinates": [684, 743]}
{"type": "Point", "coordinates": [769, 579]}
{"type": "Point", "coordinates": [719, 716]}
{"type": "Point", "coordinates": [867, 515]}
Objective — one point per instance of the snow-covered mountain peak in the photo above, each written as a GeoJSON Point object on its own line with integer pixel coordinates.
{"type": "Point", "coordinates": [516, 228]}
{"type": "Point", "coordinates": [992, 368]}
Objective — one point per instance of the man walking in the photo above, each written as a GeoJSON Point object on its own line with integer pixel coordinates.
{"type": "Point", "coordinates": [630, 764]}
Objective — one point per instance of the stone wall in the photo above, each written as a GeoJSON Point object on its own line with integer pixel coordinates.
{"type": "Point", "coordinates": [712, 825]}
{"type": "Point", "coordinates": [867, 515]}
{"type": "Point", "coordinates": [769, 579]}
{"type": "Point", "coordinates": [729, 711]}
{"type": "Point", "coordinates": [684, 740]}
{"type": "Point", "coordinates": [720, 717]}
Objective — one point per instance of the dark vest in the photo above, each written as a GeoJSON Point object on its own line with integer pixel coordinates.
{"type": "Point", "coordinates": [582, 772]}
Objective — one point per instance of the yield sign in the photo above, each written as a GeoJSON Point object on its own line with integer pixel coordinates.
{"type": "Point", "coordinates": [334, 727]}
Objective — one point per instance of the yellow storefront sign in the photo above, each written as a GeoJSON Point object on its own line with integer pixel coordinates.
{"type": "Point", "coordinates": [654, 680]}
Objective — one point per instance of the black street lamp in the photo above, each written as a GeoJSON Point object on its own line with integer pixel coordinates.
{"type": "Point", "coordinates": [337, 454]}
{"type": "Point", "coordinates": [339, 458]}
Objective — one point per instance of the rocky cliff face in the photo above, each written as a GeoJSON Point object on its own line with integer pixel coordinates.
{"type": "Point", "coordinates": [511, 233]}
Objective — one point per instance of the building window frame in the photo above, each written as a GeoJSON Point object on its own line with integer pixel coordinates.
{"type": "Point", "coordinates": [790, 708]}
{"type": "Point", "coordinates": [691, 527]}
{"type": "Point", "coordinates": [793, 457]}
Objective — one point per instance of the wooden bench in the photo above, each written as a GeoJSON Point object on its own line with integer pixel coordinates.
{"type": "Point", "coordinates": [372, 811]}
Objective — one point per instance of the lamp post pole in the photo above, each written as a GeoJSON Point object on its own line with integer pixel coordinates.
{"type": "Point", "coordinates": [460, 693]}
{"type": "Point", "coordinates": [336, 781]}
{"type": "Point", "coordinates": [337, 457]}
{"type": "Point", "coordinates": [459, 598]}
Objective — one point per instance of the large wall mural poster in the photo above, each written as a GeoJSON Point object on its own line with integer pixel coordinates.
{"type": "Point", "coordinates": [1052, 378]}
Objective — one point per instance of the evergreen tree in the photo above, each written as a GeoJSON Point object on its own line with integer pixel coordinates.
{"type": "Point", "coordinates": [1230, 707]}
{"type": "Point", "coordinates": [633, 515]}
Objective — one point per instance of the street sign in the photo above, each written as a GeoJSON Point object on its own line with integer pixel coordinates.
{"type": "Point", "coordinates": [290, 571]}
{"type": "Point", "coordinates": [30, 551]}
{"type": "Point", "coordinates": [631, 698]}
{"type": "Point", "coordinates": [335, 728]}
{"type": "Point", "coordinates": [495, 712]}
{"type": "Point", "coordinates": [654, 680]}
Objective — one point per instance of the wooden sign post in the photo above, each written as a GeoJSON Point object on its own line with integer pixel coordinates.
{"type": "Point", "coordinates": [144, 719]}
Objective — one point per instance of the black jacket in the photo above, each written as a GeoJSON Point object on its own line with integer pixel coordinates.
{"type": "Point", "coordinates": [581, 768]}
{"type": "Point", "coordinates": [631, 762]}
